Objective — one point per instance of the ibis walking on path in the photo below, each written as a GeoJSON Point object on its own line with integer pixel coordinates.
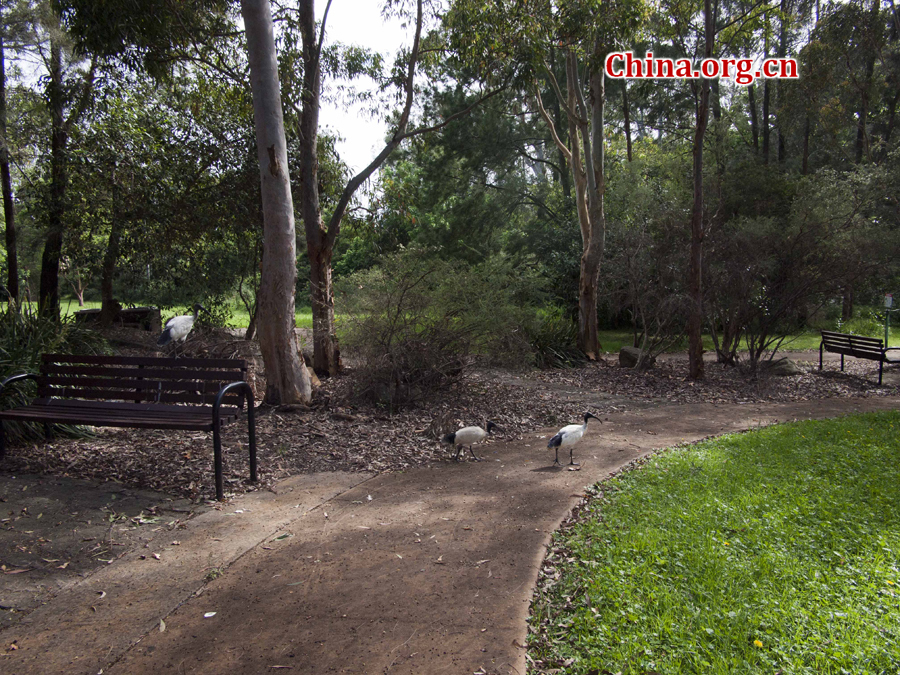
{"type": "Point", "coordinates": [468, 436]}
{"type": "Point", "coordinates": [428, 570]}
{"type": "Point", "coordinates": [568, 436]}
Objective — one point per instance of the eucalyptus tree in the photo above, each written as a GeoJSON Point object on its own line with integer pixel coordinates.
{"type": "Point", "coordinates": [321, 237]}
{"type": "Point", "coordinates": [68, 85]}
{"type": "Point", "coordinates": [287, 380]}
{"type": "Point", "coordinates": [153, 37]}
{"type": "Point", "coordinates": [588, 31]}
{"type": "Point", "coordinates": [16, 32]}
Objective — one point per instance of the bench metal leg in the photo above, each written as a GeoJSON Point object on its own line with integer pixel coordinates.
{"type": "Point", "coordinates": [251, 431]}
{"type": "Point", "coordinates": [2, 440]}
{"type": "Point", "coordinates": [842, 363]}
{"type": "Point", "coordinates": [217, 462]}
{"type": "Point", "coordinates": [880, 371]}
{"type": "Point", "coordinates": [217, 441]}
{"type": "Point", "coordinates": [217, 453]}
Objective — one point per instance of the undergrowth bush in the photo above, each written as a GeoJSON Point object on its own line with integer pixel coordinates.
{"type": "Point", "coordinates": [554, 340]}
{"type": "Point", "coordinates": [868, 321]}
{"type": "Point", "coordinates": [24, 336]}
{"type": "Point", "coordinates": [416, 321]}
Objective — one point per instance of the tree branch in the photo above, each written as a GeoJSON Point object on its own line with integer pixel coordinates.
{"type": "Point", "coordinates": [334, 223]}
{"type": "Point", "coordinates": [559, 144]}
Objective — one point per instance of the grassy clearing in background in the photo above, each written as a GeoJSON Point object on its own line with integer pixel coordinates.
{"type": "Point", "coordinates": [774, 551]}
{"type": "Point", "coordinates": [239, 316]}
{"type": "Point", "coordinates": [610, 340]}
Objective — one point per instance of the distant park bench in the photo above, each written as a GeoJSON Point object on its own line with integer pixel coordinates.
{"type": "Point", "coordinates": [142, 393]}
{"type": "Point", "coordinates": [145, 318]}
{"type": "Point", "coordinates": [855, 345]}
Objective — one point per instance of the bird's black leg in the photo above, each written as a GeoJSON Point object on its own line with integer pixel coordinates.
{"type": "Point", "coordinates": [556, 461]}
{"type": "Point", "coordinates": [571, 460]}
{"type": "Point", "coordinates": [458, 450]}
{"type": "Point", "coordinates": [473, 454]}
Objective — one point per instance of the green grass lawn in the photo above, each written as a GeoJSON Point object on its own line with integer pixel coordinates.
{"type": "Point", "coordinates": [774, 551]}
{"type": "Point", "coordinates": [239, 316]}
{"type": "Point", "coordinates": [610, 340]}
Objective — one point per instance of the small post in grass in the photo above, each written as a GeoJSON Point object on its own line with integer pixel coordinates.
{"type": "Point", "coordinates": [888, 304]}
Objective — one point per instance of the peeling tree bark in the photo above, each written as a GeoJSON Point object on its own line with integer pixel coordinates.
{"type": "Point", "coordinates": [586, 157]}
{"type": "Point", "coordinates": [287, 380]}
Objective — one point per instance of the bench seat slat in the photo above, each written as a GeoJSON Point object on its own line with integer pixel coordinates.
{"type": "Point", "coordinates": [162, 408]}
{"type": "Point", "coordinates": [853, 351]}
{"type": "Point", "coordinates": [126, 414]}
{"type": "Point", "coordinates": [97, 419]}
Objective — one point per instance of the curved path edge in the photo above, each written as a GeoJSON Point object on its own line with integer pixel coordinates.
{"type": "Point", "coordinates": [426, 571]}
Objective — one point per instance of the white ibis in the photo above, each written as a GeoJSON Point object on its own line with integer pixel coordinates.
{"type": "Point", "coordinates": [468, 436]}
{"type": "Point", "coordinates": [178, 327]}
{"type": "Point", "coordinates": [569, 436]}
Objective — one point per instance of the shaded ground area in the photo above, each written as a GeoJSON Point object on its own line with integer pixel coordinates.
{"type": "Point", "coordinates": [56, 530]}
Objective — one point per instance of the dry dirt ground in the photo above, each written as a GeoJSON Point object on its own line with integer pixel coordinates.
{"type": "Point", "coordinates": [336, 433]}
{"type": "Point", "coordinates": [69, 507]}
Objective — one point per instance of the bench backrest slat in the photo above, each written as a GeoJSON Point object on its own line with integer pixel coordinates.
{"type": "Point", "coordinates": [133, 374]}
{"type": "Point", "coordinates": [100, 359]}
{"type": "Point", "coordinates": [139, 379]}
{"type": "Point", "coordinates": [851, 341]}
{"type": "Point", "coordinates": [132, 395]}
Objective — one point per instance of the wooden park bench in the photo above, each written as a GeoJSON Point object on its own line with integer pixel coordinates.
{"type": "Point", "coordinates": [140, 392]}
{"type": "Point", "coordinates": [855, 345]}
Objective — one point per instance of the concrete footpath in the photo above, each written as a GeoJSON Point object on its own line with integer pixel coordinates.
{"type": "Point", "coordinates": [426, 571]}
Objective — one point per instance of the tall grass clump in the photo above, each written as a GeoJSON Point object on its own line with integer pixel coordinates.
{"type": "Point", "coordinates": [24, 336]}
{"type": "Point", "coordinates": [416, 322]}
{"type": "Point", "coordinates": [553, 337]}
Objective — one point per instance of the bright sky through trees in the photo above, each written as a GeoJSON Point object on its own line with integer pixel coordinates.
{"type": "Point", "coordinates": [358, 22]}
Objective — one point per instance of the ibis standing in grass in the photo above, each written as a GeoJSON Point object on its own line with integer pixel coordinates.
{"type": "Point", "coordinates": [178, 327]}
{"type": "Point", "coordinates": [568, 436]}
{"type": "Point", "coordinates": [468, 436]}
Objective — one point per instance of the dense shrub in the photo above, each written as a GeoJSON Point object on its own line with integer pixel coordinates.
{"type": "Point", "coordinates": [24, 336]}
{"type": "Point", "coordinates": [868, 321]}
{"type": "Point", "coordinates": [415, 322]}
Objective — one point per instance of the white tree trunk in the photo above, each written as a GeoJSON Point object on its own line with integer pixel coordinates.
{"type": "Point", "coordinates": [287, 380]}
